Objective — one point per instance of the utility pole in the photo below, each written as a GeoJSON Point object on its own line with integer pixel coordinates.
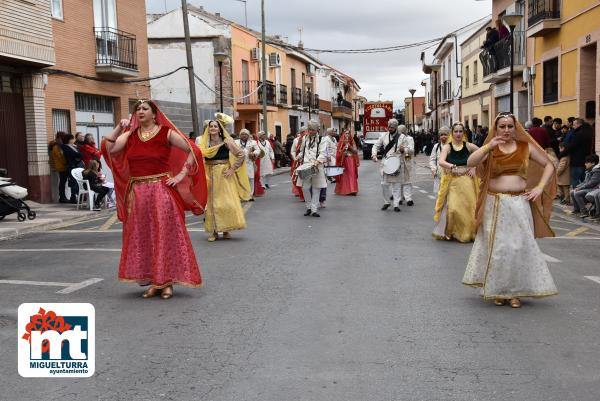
{"type": "Point", "coordinates": [190, 65]}
{"type": "Point", "coordinates": [264, 67]}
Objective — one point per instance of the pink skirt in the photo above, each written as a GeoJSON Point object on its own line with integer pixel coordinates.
{"type": "Point", "coordinates": [156, 245]}
{"type": "Point", "coordinates": [347, 183]}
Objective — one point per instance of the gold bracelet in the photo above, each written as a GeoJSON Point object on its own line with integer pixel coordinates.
{"type": "Point", "coordinates": [486, 148]}
{"type": "Point", "coordinates": [540, 186]}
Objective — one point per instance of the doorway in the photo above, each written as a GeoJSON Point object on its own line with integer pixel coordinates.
{"type": "Point", "coordinates": [587, 69]}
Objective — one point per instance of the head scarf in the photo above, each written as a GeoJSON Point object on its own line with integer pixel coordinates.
{"type": "Point", "coordinates": [192, 189]}
{"type": "Point", "coordinates": [241, 175]}
{"type": "Point", "coordinates": [341, 154]}
{"type": "Point", "coordinates": [540, 209]}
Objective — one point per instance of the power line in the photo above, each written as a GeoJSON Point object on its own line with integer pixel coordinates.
{"type": "Point", "coordinates": [52, 71]}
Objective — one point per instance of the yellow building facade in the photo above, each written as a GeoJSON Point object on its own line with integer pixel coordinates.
{"type": "Point", "coordinates": [564, 59]}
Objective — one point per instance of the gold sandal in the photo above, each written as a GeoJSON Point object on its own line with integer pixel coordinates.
{"type": "Point", "coordinates": [167, 292]}
{"type": "Point", "coordinates": [515, 303]}
{"type": "Point", "coordinates": [213, 237]}
{"type": "Point", "coordinates": [499, 302]}
{"type": "Point", "coordinates": [150, 292]}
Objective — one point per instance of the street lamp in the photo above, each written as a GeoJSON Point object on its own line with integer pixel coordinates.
{"type": "Point", "coordinates": [221, 56]}
{"type": "Point", "coordinates": [512, 20]}
{"type": "Point", "coordinates": [245, 11]}
{"type": "Point", "coordinates": [308, 85]}
{"type": "Point", "coordinates": [412, 106]}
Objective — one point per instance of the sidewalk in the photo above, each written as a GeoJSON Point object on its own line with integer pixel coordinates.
{"type": "Point", "coordinates": [49, 216]}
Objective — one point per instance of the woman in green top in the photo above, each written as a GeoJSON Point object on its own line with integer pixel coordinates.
{"type": "Point", "coordinates": [459, 186]}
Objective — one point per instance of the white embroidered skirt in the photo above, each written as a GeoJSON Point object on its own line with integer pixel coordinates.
{"type": "Point", "coordinates": [506, 261]}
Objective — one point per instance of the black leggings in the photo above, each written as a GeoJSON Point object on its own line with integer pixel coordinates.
{"type": "Point", "coordinates": [101, 191]}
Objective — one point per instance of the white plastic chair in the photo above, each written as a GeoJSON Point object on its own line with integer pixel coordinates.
{"type": "Point", "coordinates": [84, 188]}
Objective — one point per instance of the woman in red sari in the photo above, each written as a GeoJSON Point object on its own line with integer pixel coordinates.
{"type": "Point", "coordinates": [158, 176]}
{"type": "Point", "coordinates": [347, 157]}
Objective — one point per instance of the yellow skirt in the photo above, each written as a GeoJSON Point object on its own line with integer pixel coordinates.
{"type": "Point", "coordinates": [223, 210]}
{"type": "Point", "coordinates": [455, 208]}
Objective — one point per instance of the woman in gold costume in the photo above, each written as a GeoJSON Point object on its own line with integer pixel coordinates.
{"type": "Point", "coordinates": [514, 207]}
{"type": "Point", "coordinates": [459, 186]}
{"type": "Point", "coordinates": [227, 180]}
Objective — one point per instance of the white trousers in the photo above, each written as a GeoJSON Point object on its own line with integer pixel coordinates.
{"type": "Point", "coordinates": [407, 191]}
{"type": "Point", "coordinates": [251, 186]}
{"type": "Point", "coordinates": [310, 200]}
{"type": "Point", "coordinates": [436, 186]}
{"type": "Point", "coordinates": [265, 180]}
{"type": "Point", "coordinates": [396, 189]}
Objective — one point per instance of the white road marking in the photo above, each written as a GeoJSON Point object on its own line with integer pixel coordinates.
{"type": "Point", "coordinates": [62, 249]}
{"type": "Point", "coordinates": [423, 192]}
{"type": "Point", "coordinates": [593, 278]}
{"type": "Point", "coordinates": [550, 258]}
{"type": "Point", "coordinates": [431, 196]}
{"type": "Point", "coordinates": [69, 287]}
{"type": "Point", "coordinates": [414, 186]}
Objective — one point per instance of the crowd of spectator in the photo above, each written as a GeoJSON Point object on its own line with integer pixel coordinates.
{"type": "Point", "coordinates": [69, 152]}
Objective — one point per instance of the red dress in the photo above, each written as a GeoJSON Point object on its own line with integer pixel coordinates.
{"type": "Point", "coordinates": [347, 183]}
{"type": "Point", "coordinates": [156, 245]}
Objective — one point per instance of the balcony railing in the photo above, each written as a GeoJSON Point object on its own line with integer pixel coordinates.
{"type": "Point", "coordinates": [115, 48]}
{"type": "Point", "coordinates": [497, 57]}
{"type": "Point", "coordinates": [341, 103]}
{"type": "Point", "coordinates": [282, 94]}
{"type": "Point", "coordinates": [248, 90]}
{"type": "Point", "coordinates": [306, 100]}
{"type": "Point", "coordinates": [315, 102]}
{"type": "Point", "coordinates": [296, 97]}
{"type": "Point", "coordinates": [539, 10]}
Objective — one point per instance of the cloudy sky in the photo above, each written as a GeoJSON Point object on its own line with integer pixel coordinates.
{"type": "Point", "coordinates": [353, 24]}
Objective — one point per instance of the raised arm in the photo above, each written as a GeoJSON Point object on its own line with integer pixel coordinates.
{"type": "Point", "coordinates": [115, 141]}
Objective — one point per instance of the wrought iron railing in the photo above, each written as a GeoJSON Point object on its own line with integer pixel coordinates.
{"type": "Point", "coordinates": [248, 92]}
{"type": "Point", "coordinates": [115, 47]}
{"type": "Point", "coordinates": [341, 103]}
{"type": "Point", "coordinates": [497, 56]}
{"type": "Point", "coordinates": [282, 94]}
{"type": "Point", "coordinates": [316, 102]}
{"type": "Point", "coordinates": [539, 10]}
{"type": "Point", "coordinates": [296, 97]}
{"type": "Point", "coordinates": [306, 100]}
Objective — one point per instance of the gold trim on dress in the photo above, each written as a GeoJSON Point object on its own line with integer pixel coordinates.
{"type": "Point", "coordinates": [214, 162]}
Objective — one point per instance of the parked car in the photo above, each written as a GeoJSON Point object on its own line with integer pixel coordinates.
{"type": "Point", "coordinates": [368, 141]}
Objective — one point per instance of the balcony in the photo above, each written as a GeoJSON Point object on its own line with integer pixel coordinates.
{"type": "Point", "coordinates": [543, 16]}
{"type": "Point", "coordinates": [296, 97]}
{"type": "Point", "coordinates": [315, 104]}
{"type": "Point", "coordinates": [250, 95]}
{"type": "Point", "coordinates": [116, 53]}
{"type": "Point", "coordinates": [283, 98]}
{"type": "Point", "coordinates": [306, 100]}
{"type": "Point", "coordinates": [341, 109]}
{"type": "Point", "coordinates": [496, 59]}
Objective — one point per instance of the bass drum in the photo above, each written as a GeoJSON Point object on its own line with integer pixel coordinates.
{"type": "Point", "coordinates": [306, 171]}
{"type": "Point", "coordinates": [392, 165]}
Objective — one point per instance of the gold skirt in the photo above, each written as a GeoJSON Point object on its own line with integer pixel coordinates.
{"type": "Point", "coordinates": [455, 208]}
{"type": "Point", "coordinates": [223, 210]}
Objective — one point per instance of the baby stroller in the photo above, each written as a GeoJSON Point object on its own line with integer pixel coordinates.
{"type": "Point", "coordinates": [11, 196]}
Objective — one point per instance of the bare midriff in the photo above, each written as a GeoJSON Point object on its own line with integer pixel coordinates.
{"type": "Point", "coordinates": [507, 183]}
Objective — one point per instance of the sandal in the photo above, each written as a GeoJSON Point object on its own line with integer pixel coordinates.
{"type": "Point", "coordinates": [167, 292]}
{"type": "Point", "coordinates": [499, 302]}
{"type": "Point", "coordinates": [150, 292]}
{"type": "Point", "coordinates": [515, 303]}
{"type": "Point", "coordinates": [213, 237]}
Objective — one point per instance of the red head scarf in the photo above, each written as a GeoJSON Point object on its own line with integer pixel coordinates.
{"type": "Point", "coordinates": [341, 149]}
{"type": "Point", "coordinates": [192, 189]}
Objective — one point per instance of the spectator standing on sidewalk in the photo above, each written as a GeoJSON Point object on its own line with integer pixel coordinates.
{"type": "Point", "coordinates": [59, 163]}
{"type": "Point", "coordinates": [540, 134]}
{"type": "Point", "coordinates": [73, 158]}
{"type": "Point", "coordinates": [88, 150]}
{"type": "Point", "coordinates": [563, 179]}
{"type": "Point", "coordinates": [578, 148]}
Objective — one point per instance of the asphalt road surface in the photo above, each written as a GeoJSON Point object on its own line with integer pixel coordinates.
{"type": "Point", "coordinates": [359, 304]}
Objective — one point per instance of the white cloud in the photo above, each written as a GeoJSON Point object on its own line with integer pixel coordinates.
{"type": "Point", "coordinates": [351, 24]}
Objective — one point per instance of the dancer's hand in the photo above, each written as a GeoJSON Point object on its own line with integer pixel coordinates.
{"type": "Point", "coordinates": [173, 181]}
{"type": "Point", "coordinates": [534, 194]}
{"type": "Point", "coordinates": [124, 124]}
{"type": "Point", "coordinates": [495, 141]}
{"type": "Point", "coordinates": [471, 172]}
{"type": "Point", "coordinates": [228, 172]}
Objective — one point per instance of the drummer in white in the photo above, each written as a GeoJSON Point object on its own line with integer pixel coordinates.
{"type": "Point", "coordinates": [313, 153]}
{"type": "Point", "coordinates": [394, 146]}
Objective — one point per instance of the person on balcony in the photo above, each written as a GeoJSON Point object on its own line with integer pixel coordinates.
{"type": "Point", "coordinates": [503, 31]}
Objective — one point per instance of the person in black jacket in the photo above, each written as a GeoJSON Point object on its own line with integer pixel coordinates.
{"type": "Point", "coordinates": [91, 174]}
{"type": "Point", "coordinates": [73, 158]}
{"type": "Point", "coordinates": [578, 148]}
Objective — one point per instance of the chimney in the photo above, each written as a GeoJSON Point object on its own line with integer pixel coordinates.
{"type": "Point", "coordinates": [218, 14]}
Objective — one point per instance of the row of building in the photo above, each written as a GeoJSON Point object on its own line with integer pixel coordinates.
{"type": "Point", "coordinates": [80, 66]}
{"type": "Point", "coordinates": [556, 67]}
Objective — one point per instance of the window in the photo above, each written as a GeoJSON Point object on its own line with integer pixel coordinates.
{"type": "Point", "coordinates": [105, 14]}
{"type": "Point", "coordinates": [467, 77]}
{"type": "Point", "coordinates": [475, 78]}
{"type": "Point", "coordinates": [57, 9]}
{"type": "Point", "coordinates": [10, 83]}
{"type": "Point", "coordinates": [93, 103]}
{"type": "Point", "coordinates": [61, 120]}
{"type": "Point", "coordinates": [551, 80]}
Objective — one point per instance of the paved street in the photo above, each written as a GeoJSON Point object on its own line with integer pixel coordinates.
{"type": "Point", "coordinates": [359, 304]}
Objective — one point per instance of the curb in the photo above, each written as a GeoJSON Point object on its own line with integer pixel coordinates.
{"type": "Point", "coordinates": [53, 224]}
{"type": "Point", "coordinates": [281, 171]}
